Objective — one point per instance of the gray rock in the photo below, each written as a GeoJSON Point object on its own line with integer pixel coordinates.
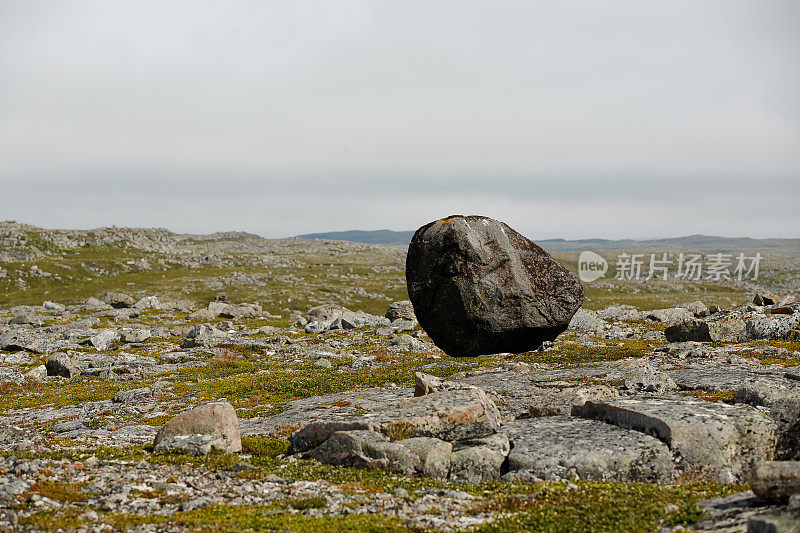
{"type": "Point", "coordinates": [402, 309]}
{"type": "Point", "coordinates": [366, 449]}
{"type": "Point", "coordinates": [59, 364]}
{"type": "Point", "coordinates": [134, 395]}
{"type": "Point", "coordinates": [716, 439]}
{"type": "Point", "coordinates": [204, 335]}
{"type": "Point", "coordinates": [135, 334]}
{"type": "Point", "coordinates": [478, 460]}
{"type": "Point", "coordinates": [434, 455]}
{"type": "Point", "coordinates": [622, 312]}
{"type": "Point", "coordinates": [585, 321]}
{"type": "Point", "coordinates": [195, 444]}
{"type": "Point", "coordinates": [773, 327]}
{"type": "Point", "coordinates": [479, 287]}
{"type": "Point", "coordinates": [28, 318]}
{"type": "Point", "coordinates": [105, 339]}
{"type": "Point", "coordinates": [775, 480]}
{"type": "Point", "coordinates": [117, 300]}
{"type": "Point", "coordinates": [567, 448]}
{"type": "Point", "coordinates": [214, 419]}
{"type": "Point", "coordinates": [774, 523]}
{"type": "Point", "coordinates": [672, 315]}
{"type": "Point", "coordinates": [646, 378]}
{"type": "Point", "coordinates": [323, 363]}
{"type": "Point", "coordinates": [53, 307]}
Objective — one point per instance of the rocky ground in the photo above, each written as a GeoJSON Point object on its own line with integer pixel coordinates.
{"type": "Point", "coordinates": [160, 382]}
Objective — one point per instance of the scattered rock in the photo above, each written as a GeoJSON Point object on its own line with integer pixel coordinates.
{"type": "Point", "coordinates": [204, 335]}
{"type": "Point", "coordinates": [402, 309]}
{"type": "Point", "coordinates": [775, 480]}
{"type": "Point", "coordinates": [766, 298]}
{"type": "Point", "coordinates": [59, 364]}
{"type": "Point", "coordinates": [585, 321]}
{"type": "Point", "coordinates": [135, 334]}
{"type": "Point", "coordinates": [672, 315]}
{"type": "Point", "coordinates": [646, 378]}
{"type": "Point", "coordinates": [104, 339]}
{"type": "Point", "coordinates": [216, 419]}
{"type": "Point", "coordinates": [117, 300]}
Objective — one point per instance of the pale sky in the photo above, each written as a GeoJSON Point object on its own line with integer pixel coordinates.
{"type": "Point", "coordinates": [574, 119]}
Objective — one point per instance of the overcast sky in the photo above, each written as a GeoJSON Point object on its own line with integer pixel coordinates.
{"type": "Point", "coordinates": [565, 119]}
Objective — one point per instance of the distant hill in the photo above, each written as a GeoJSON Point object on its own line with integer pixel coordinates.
{"type": "Point", "coordinates": [698, 243]}
{"type": "Point", "coordinates": [381, 236]}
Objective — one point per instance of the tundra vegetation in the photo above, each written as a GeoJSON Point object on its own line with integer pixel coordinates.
{"type": "Point", "coordinates": [106, 335]}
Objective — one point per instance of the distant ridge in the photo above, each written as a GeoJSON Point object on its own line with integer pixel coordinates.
{"type": "Point", "coordinates": [381, 236]}
{"type": "Point", "coordinates": [697, 243]}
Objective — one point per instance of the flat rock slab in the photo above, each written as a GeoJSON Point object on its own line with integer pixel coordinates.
{"type": "Point", "coordinates": [448, 415]}
{"type": "Point", "coordinates": [542, 393]}
{"type": "Point", "coordinates": [714, 439]}
{"type": "Point", "coordinates": [755, 386]}
{"type": "Point", "coordinates": [563, 447]}
{"type": "Point", "coordinates": [325, 407]}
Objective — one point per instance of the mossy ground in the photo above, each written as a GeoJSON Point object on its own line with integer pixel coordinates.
{"type": "Point", "coordinates": [543, 506]}
{"type": "Point", "coordinates": [258, 385]}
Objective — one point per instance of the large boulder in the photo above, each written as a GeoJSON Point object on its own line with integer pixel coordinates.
{"type": "Point", "coordinates": [479, 287]}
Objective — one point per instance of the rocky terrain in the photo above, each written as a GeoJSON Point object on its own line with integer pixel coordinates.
{"type": "Point", "coordinates": [161, 382]}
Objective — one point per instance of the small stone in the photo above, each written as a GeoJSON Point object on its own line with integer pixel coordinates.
{"type": "Point", "coordinates": [104, 340]}
{"type": "Point", "coordinates": [118, 300]}
{"type": "Point", "coordinates": [135, 334]}
{"type": "Point", "coordinates": [402, 309]}
{"type": "Point", "coordinates": [59, 364]}
{"type": "Point", "coordinates": [401, 493]}
{"type": "Point", "coordinates": [776, 480]}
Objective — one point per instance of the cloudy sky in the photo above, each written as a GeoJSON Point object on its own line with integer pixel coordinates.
{"type": "Point", "coordinates": [565, 119]}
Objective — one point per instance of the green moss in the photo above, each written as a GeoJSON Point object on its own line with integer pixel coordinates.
{"type": "Point", "coordinates": [59, 490]}
{"type": "Point", "coordinates": [303, 504]}
{"type": "Point", "coordinates": [600, 506]}
{"type": "Point", "coordinates": [264, 446]}
{"type": "Point", "coordinates": [235, 519]}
